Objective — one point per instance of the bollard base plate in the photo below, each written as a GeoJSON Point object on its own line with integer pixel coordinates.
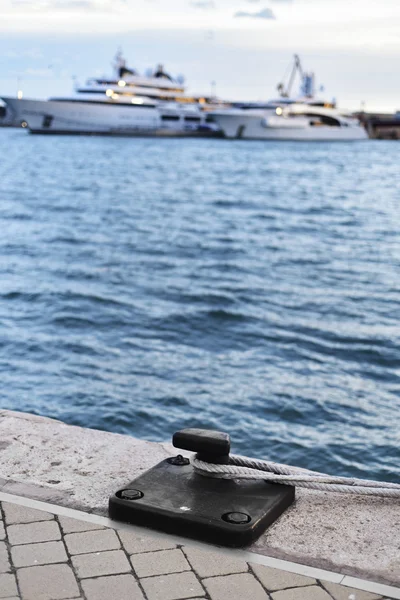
{"type": "Point", "coordinates": [172, 498]}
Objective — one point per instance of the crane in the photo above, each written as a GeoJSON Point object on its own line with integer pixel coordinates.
{"type": "Point", "coordinates": [285, 92]}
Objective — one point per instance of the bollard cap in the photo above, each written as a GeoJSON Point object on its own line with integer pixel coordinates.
{"type": "Point", "coordinates": [203, 441]}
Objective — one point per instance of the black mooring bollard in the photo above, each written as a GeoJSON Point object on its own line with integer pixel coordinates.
{"type": "Point", "coordinates": [171, 497]}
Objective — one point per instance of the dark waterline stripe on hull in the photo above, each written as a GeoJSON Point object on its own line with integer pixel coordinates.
{"type": "Point", "coordinates": [156, 133]}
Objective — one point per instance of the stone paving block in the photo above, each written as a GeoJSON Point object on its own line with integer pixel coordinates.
{"type": "Point", "coordinates": [69, 525]}
{"type": "Point", "coordinates": [121, 587]}
{"type": "Point", "coordinates": [49, 582]}
{"type": "Point", "coordinates": [236, 587]}
{"type": "Point", "coordinates": [5, 566]}
{"type": "Point", "coordinates": [211, 564]}
{"type": "Point", "coordinates": [172, 587]}
{"type": "Point", "coordinates": [21, 514]}
{"type": "Point", "coordinates": [275, 579]}
{"type": "Point", "coordinates": [44, 553]}
{"type": "Point", "coordinates": [134, 543]}
{"type": "Point", "coordinates": [2, 531]}
{"type": "Point", "coordinates": [313, 592]}
{"type": "Point", "coordinates": [161, 562]}
{"type": "Point", "coordinates": [8, 586]}
{"type": "Point", "coordinates": [92, 541]}
{"type": "Point", "coordinates": [340, 592]}
{"type": "Point", "coordinates": [30, 533]}
{"type": "Point", "coordinates": [101, 563]}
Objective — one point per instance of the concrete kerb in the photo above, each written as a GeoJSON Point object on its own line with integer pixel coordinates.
{"type": "Point", "coordinates": [79, 468]}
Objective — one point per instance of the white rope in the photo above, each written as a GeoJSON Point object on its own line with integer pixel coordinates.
{"type": "Point", "coordinates": [240, 467]}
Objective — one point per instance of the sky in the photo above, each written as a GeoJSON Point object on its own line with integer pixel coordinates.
{"type": "Point", "coordinates": [244, 46]}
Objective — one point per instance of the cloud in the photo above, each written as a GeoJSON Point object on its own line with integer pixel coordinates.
{"type": "Point", "coordinates": [92, 5]}
{"type": "Point", "coordinates": [266, 13]}
{"type": "Point", "coordinates": [62, 4]}
{"type": "Point", "coordinates": [276, 1]}
{"type": "Point", "coordinates": [206, 4]}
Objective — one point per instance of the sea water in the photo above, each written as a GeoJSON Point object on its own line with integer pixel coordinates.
{"type": "Point", "coordinates": [148, 285]}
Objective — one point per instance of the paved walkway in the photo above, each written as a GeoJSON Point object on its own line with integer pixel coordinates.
{"type": "Point", "coordinates": [47, 556]}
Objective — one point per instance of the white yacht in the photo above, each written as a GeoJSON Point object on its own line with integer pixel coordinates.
{"type": "Point", "coordinates": [126, 103]}
{"type": "Point", "coordinates": [305, 118]}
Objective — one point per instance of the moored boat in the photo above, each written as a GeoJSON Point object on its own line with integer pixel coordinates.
{"type": "Point", "coordinates": [304, 118]}
{"type": "Point", "coordinates": [126, 103]}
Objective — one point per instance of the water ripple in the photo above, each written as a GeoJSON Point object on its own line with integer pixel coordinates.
{"type": "Point", "coordinates": [148, 285]}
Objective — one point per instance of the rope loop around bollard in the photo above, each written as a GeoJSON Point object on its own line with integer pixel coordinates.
{"type": "Point", "coordinates": [240, 467]}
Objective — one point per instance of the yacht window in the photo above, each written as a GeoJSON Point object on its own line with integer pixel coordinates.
{"type": "Point", "coordinates": [86, 91]}
{"type": "Point", "coordinates": [170, 117]}
{"type": "Point", "coordinates": [322, 120]}
{"type": "Point", "coordinates": [196, 119]}
{"type": "Point", "coordinates": [47, 121]}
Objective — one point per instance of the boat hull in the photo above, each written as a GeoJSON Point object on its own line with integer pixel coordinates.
{"type": "Point", "coordinates": [255, 127]}
{"type": "Point", "coordinates": [97, 118]}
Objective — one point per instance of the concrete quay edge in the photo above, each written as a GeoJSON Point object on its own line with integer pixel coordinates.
{"type": "Point", "coordinates": [73, 467]}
